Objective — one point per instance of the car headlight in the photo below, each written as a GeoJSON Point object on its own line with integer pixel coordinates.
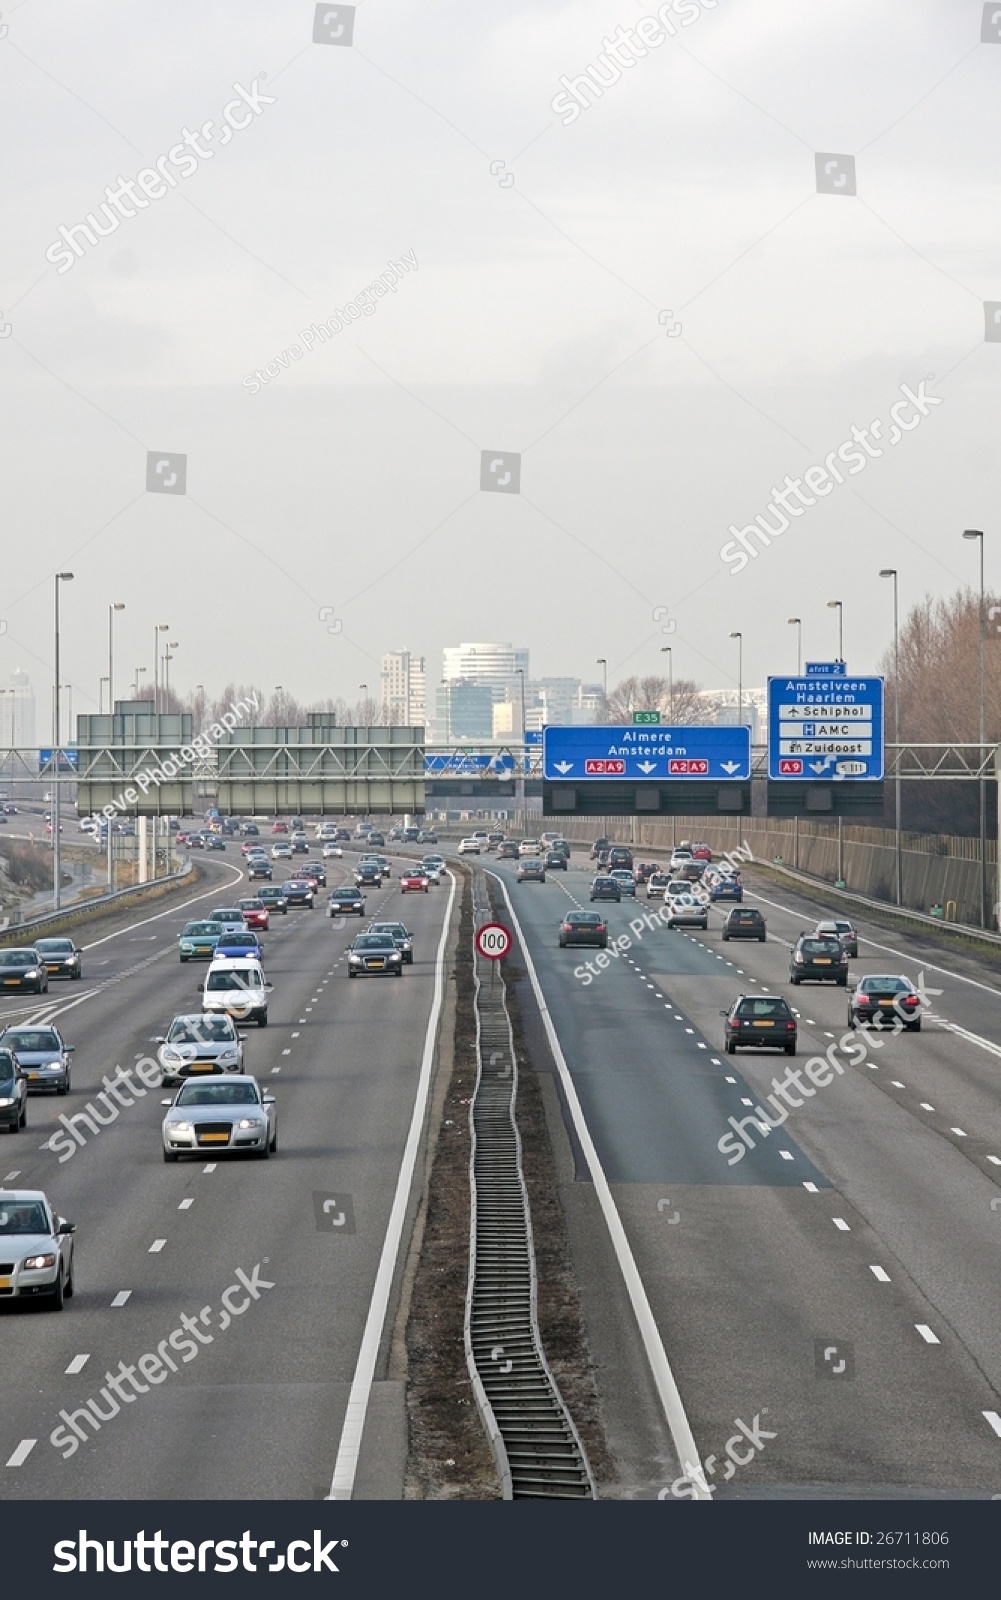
{"type": "Point", "coordinates": [32, 972]}
{"type": "Point", "coordinates": [353, 959]}
{"type": "Point", "coordinates": [229, 1055]}
{"type": "Point", "coordinates": [250, 1122]}
{"type": "Point", "coordinates": [6, 1101]}
{"type": "Point", "coordinates": [38, 1263]}
{"type": "Point", "coordinates": [180, 1127]}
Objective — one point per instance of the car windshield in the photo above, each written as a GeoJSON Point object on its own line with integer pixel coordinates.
{"type": "Point", "coordinates": [251, 905]}
{"type": "Point", "coordinates": [391, 930]}
{"type": "Point", "coordinates": [344, 894]}
{"type": "Point", "coordinates": [885, 986]}
{"type": "Point", "coordinates": [230, 915]}
{"type": "Point", "coordinates": [374, 941]}
{"type": "Point", "coordinates": [6, 1066]}
{"type": "Point", "coordinates": [23, 1216]}
{"type": "Point", "coordinates": [18, 958]}
{"type": "Point", "coordinates": [201, 929]}
{"type": "Point", "coordinates": [29, 1039]}
{"type": "Point", "coordinates": [243, 978]}
{"type": "Point", "coordinates": [201, 1030]}
{"type": "Point", "coordinates": [764, 1006]}
{"type": "Point", "coordinates": [195, 1093]}
{"type": "Point", "coordinates": [56, 947]}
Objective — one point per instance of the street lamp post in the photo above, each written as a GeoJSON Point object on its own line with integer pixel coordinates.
{"type": "Point", "coordinates": [668, 651]}
{"type": "Point", "coordinates": [136, 684]}
{"type": "Point", "coordinates": [740, 676]}
{"type": "Point", "coordinates": [161, 627]}
{"type": "Point", "coordinates": [891, 572]}
{"type": "Point", "coordinates": [603, 664]}
{"type": "Point", "coordinates": [977, 533]}
{"type": "Point", "coordinates": [117, 605]}
{"type": "Point", "coordinates": [100, 695]}
{"type": "Point", "coordinates": [519, 798]}
{"type": "Point", "coordinates": [61, 577]}
{"type": "Point", "coordinates": [798, 621]}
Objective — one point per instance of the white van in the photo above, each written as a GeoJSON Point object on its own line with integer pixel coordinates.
{"type": "Point", "coordinates": [236, 986]}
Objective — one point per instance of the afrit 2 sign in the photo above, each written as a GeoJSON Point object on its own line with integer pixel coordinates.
{"type": "Point", "coordinates": [717, 752]}
{"type": "Point", "coordinates": [828, 728]}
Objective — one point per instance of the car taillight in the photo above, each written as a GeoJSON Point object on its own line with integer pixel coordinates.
{"type": "Point", "coordinates": [790, 1024]}
{"type": "Point", "coordinates": [734, 1022]}
{"type": "Point", "coordinates": [911, 1000]}
{"type": "Point", "coordinates": [601, 928]}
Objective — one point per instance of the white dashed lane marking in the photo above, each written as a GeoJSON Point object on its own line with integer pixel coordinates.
{"type": "Point", "coordinates": [926, 1333]}
{"type": "Point", "coordinates": [812, 1187]}
{"type": "Point", "coordinates": [995, 1421]}
{"type": "Point", "coordinates": [121, 1297]}
{"type": "Point", "coordinates": [880, 1275]}
{"type": "Point", "coordinates": [211, 1167]}
{"type": "Point", "coordinates": [77, 1365]}
{"type": "Point", "coordinates": [157, 1246]}
{"type": "Point", "coordinates": [841, 1224]}
{"type": "Point", "coordinates": [186, 1205]}
{"type": "Point", "coordinates": [22, 1453]}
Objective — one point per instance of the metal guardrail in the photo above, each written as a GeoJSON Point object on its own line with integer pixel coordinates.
{"type": "Point", "coordinates": [81, 907]}
{"type": "Point", "coordinates": [535, 1444]}
{"type": "Point", "coordinates": [902, 913]}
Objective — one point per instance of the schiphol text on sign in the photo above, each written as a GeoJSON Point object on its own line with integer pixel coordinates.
{"type": "Point", "coordinates": [825, 725]}
{"type": "Point", "coordinates": [712, 752]}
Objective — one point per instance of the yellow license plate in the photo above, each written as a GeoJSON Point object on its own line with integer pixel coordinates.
{"type": "Point", "coordinates": [823, 961]}
{"type": "Point", "coordinates": [12, 980]}
{"type": "Point", "coordinates": [32, 1075]}
{"type": "Point", "coordinates": [53, 966]}
{"type": "Point", "coordinates": [6, 1283]}
{"type": "Point", "coordinates": [200, 1066]}
{"type": "Point", "coordinates": [764, 1024]}
{"type": "Point", "coordinates": [213, 1138]}
{"type": "Point", "coordinates": [886, 1002]}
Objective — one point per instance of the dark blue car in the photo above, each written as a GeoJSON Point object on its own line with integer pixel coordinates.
{"type": "Point", "coordinates": [727, 889]}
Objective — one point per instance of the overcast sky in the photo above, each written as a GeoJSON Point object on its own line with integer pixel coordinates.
{"type": "Point", "coordinates": [660, 313]}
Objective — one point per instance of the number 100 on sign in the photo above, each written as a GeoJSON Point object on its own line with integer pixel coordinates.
{"type": "Point", "coordinates": [493, 940]}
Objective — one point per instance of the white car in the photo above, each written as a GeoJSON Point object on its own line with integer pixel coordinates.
{"type": "Point", "coordinates": [530, 847]}
{"type": "Point", "coordinates": [281, 852]}
{"type": "Point", "coordinates": [331, 849]}
{"type": "Point", "coordinates": [196, 1046]}
{"type": "Point", "coordinates": [37, 1247]}
{"type": "Point", "coordinates": [236, 987]}
{"type": "Point", "coordinates": [680, 857]}
{"type": "Point", "coordinates": [469, 847]}
{"type": "Point", "coordinates": [687, 911]}
{"type": "Point", "coordinates": [209, 1115]}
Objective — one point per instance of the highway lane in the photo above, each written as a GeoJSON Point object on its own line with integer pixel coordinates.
{"type": "Point", "coordinates": [258, 1413]}
{"type": "Point", "coordinates": [754, 1268]}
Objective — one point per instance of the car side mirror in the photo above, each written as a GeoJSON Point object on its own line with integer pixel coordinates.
{"type": "Point", "coordinates": [69, 1048]}
{"type": "Point", "coordinates": [62, 1226]}
{"type": "Point", "coordinates": [267, 1099]}
{"type": "Point", "coordinates": [166, 1102]}
{"type": "Point", "coordinates": [158, 1038]}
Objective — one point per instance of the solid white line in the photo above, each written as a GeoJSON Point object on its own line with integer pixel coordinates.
{"type": "Point", "coordinates": [663, 1377]}
{"type": "Point", "coordinates": [994, 1420]}
{"type": "Point", "coordinates": [22, 1452]}
{"type": "Point", "coordinates": [346, 1465]}
{"type": "Point", "coordinates": [926, 1333]}
{"type": "Point", "coordinates": [877, 1272]}
{"type": "Point", "coordinates": [77, 1365]}
{"type": "Point", "coordinates": [211, 893]}
{"type": "Point", "coordinates": [121, 1297]}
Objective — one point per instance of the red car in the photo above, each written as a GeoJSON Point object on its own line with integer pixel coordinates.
{"type": "Point", "coordinates": [279, 827]}
{"type": "Point", "coordinates": [645, 870]}
{"type": "Point", "coordinates": [247, 846]}
{"type": "Point", "coordinates": [701, 852]}
{"type": "Point", "coordinates": [412, 879]}
{"type": "Point", "coordinates": [255, 914]}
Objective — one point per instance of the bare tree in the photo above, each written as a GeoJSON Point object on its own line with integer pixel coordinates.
{"type": "Point", "coordinates": [654, 694]}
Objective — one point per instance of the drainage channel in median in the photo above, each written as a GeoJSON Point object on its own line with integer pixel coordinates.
{"type": "Point", "coordinates": [536, 1446]}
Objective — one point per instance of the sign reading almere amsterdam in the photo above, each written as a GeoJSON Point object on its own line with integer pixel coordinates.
{"type": "Point", "coordinates": [825, 725]}
{"type": "Point", "coordinates": [716, 752]}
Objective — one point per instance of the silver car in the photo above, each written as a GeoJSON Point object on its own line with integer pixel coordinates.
{"type": "Point", "coordinates": [199, 1045]}
{"type": "Point", "coordinates": [220, 1114]}
{"type": "Point", "coordinates": [36, 1249]}
{"type": "Point", "coordinates": [43, 1054]}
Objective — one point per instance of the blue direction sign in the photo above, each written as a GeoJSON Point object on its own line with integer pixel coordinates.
{"type": "Point", "coordinates": [718, 752]}
{"type": "Point", "coordinates": [69, 760]}
{"type": "Point", "coordinates": [459, 764]}
{"type": "Point", "coordinates": [825, 727]}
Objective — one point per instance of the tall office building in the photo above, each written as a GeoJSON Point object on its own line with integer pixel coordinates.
{"type": "Point", "coordinates": [493, 666]}
{"type": "Point", "coordinates": [404, 689]}
{"type": "Point", "coordinates": [463, 711]}
{"type": "Point", "coordinates": [17, 712]}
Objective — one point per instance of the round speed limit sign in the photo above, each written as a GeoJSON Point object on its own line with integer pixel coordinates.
{"type": "Point", "coordinates": [493, 940]}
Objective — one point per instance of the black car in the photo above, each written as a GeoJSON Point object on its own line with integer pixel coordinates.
{"type": "Point", "coordinates": [584, 927]}
{"type": "Point", "coordinates": [401, 936]}
{"type": "Point", "coordinates": [13, 1093]}
{"type": "Point", "coordinates": [274, 898]}
{"type": "Point", "coordinates": [374, 953]}
{"type": "Point", "coordinates": [23, 969]}
{"type": "Point", "coordinates": [300, 845]}
{"type": "Point", "coordinates": [299, 894]}
{"type": "Point", "coordinates": [743, 922]}
{"type": "Point", "coordinates": [598, 846]}
{"type": "Point", "coordinates": [370, 873]}
{"type": "Point", "coordinates": [818, 960]}
{"type": "Point", "coordinates": [259, 869]}
{"type": "Point", "coordinates": [250, 830]}
{"type": "Point", "coordinates": [620, 856]}
{"type": "Point", "coordinates": [379, 838]}
{"type": "Point", "coordinates": [345, 902]}
{"type": "Point", "coordinates": [315, 869]}
{"type": "Point", "coordinates": [508, 850]}
{"type": "Point", "coordinates": [606, 889]}
{"type": "Point", "coordinates": [426, 836]}
{"type": "Point", "coordinates": [215, 842]}
{"type": "Point", "coordinates": [882, 1000]}
{"type": "Point", "coordinates": [556, 861]}
{"type": "Point", "coordinates": [63, 958]}
{"type": "Point", "coordinates": [760, 1022]}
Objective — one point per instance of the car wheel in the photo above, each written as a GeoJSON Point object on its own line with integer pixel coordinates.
{"type": "Point", "coordinates": [264, 1155]}
{"type": "Point", "coordinates": [23, 1119]}
{"type": "Point", "coordinates": [66, 1086]}
{"type": "Point", "coordinates": [70, 1288]}
{"type": "Point", "coordinates": [563, 944]}
{"type": "Point", "coordinates": [274, 1140]}
{"type": "Point", "coordinates": [729, 1046]}
{"type": "Point", "coordinates": [58, 1294]}
{"type": "Point", "coordinates": [914, 1027]}
{"type": "Point", "coordinates": [78, 975]}
{"type": "Point", "coordinates": [726, 938]}
{"type": "Point", "coordinates": [791, 1049]}
{"type": "Point", "coordinates": [851, 1020]}
{"type": "Point", "coordinates": [262, 1022]}
{"type": "Point", "coordinates": [352, 974]}
{"type": "Point", "coordinates": [183, 960]}
{"type": "Point", "coordinates": [794, 981]}
{"type": "Point", "coordinates": [843, 982]}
